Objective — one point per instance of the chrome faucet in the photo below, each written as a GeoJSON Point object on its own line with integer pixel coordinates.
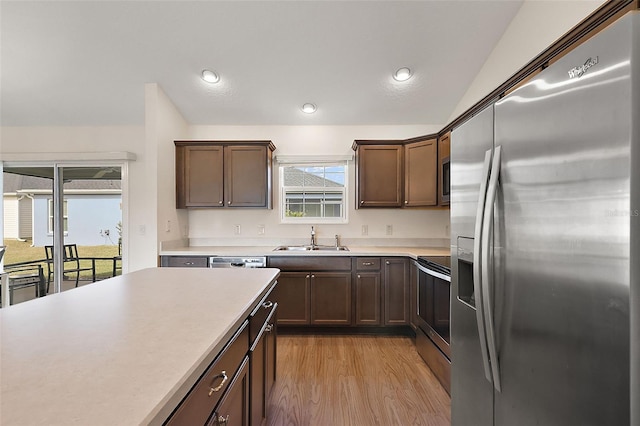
{"type": "Point", "coordinates": [313, 238]}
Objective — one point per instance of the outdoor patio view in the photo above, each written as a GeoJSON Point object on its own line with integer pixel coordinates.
{"type": "Point", "coordinates": [91, 217]}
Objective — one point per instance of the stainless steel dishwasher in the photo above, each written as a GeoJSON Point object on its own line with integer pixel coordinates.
{"type": "Point", "coordinates": [238, 262]}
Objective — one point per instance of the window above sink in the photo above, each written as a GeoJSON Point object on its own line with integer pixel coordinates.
{"type": "Point", "coordinates": [313, 192]}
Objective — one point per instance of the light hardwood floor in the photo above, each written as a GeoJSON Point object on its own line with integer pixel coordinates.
{"type": "Point", "coordinates": [354, 381]}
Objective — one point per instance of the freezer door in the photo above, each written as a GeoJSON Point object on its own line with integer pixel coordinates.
{"type": "Point", "coordinates": [471, 392]}
{"type": "Point", "coordinates": [562, 240]}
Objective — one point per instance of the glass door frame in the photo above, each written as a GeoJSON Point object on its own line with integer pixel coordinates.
{"type": "Point", "coordinates": [58, 199]}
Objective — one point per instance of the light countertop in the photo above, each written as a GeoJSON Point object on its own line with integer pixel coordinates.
{"type": "Point", "coordinates": [122, 351]}
{"type": "Point", "coordinates": [412, 252]}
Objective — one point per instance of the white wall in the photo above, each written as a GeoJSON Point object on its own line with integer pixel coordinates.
{"type": "Point", "coordinates": [155, 210]}
{"type": "Point", "coordinates": [217, 226]}
{"type": "Point", "coordinates": [537, 25]}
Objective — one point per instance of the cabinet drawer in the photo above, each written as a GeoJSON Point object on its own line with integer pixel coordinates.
{"type": "Point", "coordinates": [311, 263]}
{"type": "Point", "coordinates": [185, 261]}
{"type": "Point", "coordinates": [368, 263]}
{"type": "Point", "coordinates": [200, 402]}
{"type": "Point", "coordinates": [259, 316]}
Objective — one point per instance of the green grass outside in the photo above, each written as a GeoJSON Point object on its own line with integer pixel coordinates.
{"type": "Point", "coordinates": [18, 251]}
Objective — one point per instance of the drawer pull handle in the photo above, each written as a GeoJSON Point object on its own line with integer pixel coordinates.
{"type": "Point", "coordinates": [189, 263]}
{"type": "Point", "coordinates": [267, 305]}
{"type": "Point", "coordinates": [223, 420]}
{"type": "Point", "coordinates": [224, 380]}
{"type": "Point", "coordinates": [367, 263]}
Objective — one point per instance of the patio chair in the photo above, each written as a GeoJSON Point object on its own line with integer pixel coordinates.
{"type": "Point", "coordinates": [71, 262]}
{"type": "Point", "coordinates": [23, 276]}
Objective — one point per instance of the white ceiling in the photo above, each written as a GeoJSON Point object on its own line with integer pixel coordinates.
{"type": "Point", "coordinates": [85, 63]}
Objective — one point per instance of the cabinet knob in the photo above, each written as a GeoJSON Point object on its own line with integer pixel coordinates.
{"type": "Point", "coordinates": [223, 420]}
{"type": "Point", "coordinates": [267, 305]}
{"type": "Point", "coordinates": [313, 276]}
{"type": "Point", "coordinates": [220, 202]}
{"type": "Point", "coordinates": [387, 262]}
{"type": "Point", "coordinates": [268, 328]}
{"type": "Point", "coordinates": [406, 202]}
{"type": "Point", "coordinates": [362, 202]}
{"type": "Point", "coordinates": [358, 276]}
{"type": "Point", "coordinates": [229, 203]}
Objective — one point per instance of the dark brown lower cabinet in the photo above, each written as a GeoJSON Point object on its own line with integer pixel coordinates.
{"type": "Point", "coordinates": [396, 291]}
{"type": "Point", "coordinates": [233, 409]}
{"type": "Point", "coordinates": [263, 369]}
{"type": "Point", "coordinates": [293, 294]}
{"type": "Point", "coordinates": [367, 294]}
{"type": "Point", "coordinates": [331, 298]}
{"type": "Point", "coordinates": [413, 295]}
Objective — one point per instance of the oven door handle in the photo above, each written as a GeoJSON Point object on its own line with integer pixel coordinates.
{"type": "Point", "coordinates": [433, 273]}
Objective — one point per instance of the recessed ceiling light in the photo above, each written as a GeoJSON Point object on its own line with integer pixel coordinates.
{"type": "Point", "coordinates": [210, 76]}
{"type": "Point", "coordinates": [403, 74]}
{"type": "Point", "coordinates": [309, 108]}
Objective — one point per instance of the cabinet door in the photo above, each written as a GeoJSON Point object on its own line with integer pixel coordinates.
{"type": "Point", "coordinates": [421, 174]}
{"type": "Point", "coordinates": [203, 177]}
{"type": "Point", "coordinates": [262, 371]}
{"type": "Point", "coordinates": [246, 176]}
{"type": "Point", "coordinates": [380, 175]}
{"type": "Point", "coordinates": [413, 295]}
{"type": "Point", "coordinates": [331, 298]}
{"type": "Point", "coordinates": [271, 350]}
{"type": "Point", "coordinates": [234, 407]}
{"type": "Point", "coordinates": [293, 296]}
{"type": "Point", "coordinates": [396, 291]}
{"type": "Point", "coordinates": [368, 298]}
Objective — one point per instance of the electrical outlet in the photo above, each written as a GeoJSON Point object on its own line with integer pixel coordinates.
{"type": "Point", "coordinates": [365, 229]}
{"type": "Point", "coordinates": [167, 227]}
{"type": "Point", "coordinates": [389, 229]}
{"type": "Point", "coordinates": [236, 229]}
{"type": "Point", "coordinates": [260, 229]}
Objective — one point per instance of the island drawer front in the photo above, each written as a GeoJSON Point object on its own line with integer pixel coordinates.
{"type": "Point", "coordinates": [202, 399]}
{"type": "Point", "coordinates": [259, 317]}
{"type": "Point", "coordinates": [185, 261]}
{"type": "Point", "coordinates": [311, 263]}
{"type": "Point", "coordinates": [368, 263]}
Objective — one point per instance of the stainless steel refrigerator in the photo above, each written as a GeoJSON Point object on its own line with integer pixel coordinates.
{"type": "Point", "coordinates": [545, 247]}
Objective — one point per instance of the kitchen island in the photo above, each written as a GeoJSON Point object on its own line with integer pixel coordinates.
{"type": "Point", "coordinates": [122, 351]}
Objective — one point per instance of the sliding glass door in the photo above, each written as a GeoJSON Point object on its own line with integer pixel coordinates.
{"type": "Point", "coordinates": [62, 226]}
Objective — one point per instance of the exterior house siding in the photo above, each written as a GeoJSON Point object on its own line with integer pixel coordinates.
{"type": "Point", "coordinates": [10, 205]}
{"type": "Point", "coordinates": [25, 218]}
{"type": "Point", "coordinates": [88, 215]}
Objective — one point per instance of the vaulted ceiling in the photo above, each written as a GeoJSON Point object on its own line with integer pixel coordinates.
{"type": "Point", "coordinates": [85, 63]}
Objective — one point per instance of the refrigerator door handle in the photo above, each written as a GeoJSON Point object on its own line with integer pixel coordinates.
{"type": "Point", "coordinates": [477, 270]}
{"type": "Point", "coordinates": [487, 276]}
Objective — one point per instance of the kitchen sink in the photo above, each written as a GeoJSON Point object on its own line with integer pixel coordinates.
{"type": "Point", "coordinates": [311, 248]}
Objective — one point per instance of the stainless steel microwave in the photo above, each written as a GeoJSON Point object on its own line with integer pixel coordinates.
{"type": "Point", "coordinates": [446, 181]}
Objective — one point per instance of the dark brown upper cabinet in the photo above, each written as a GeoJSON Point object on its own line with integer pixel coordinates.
{"type": "Point", "coordinates": [392, 173]}
{"type": "Point", "coordinates": [421, 175]}
{"type": "Point", "coordinates": [380, 173]}
{"type": "Point", "coordinates": [224, 174]}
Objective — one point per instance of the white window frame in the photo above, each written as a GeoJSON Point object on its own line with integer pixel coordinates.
{"type": "Point", "coordinates": [50, 216]}
{"type": "Point", "coordinates": [344, 218]}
